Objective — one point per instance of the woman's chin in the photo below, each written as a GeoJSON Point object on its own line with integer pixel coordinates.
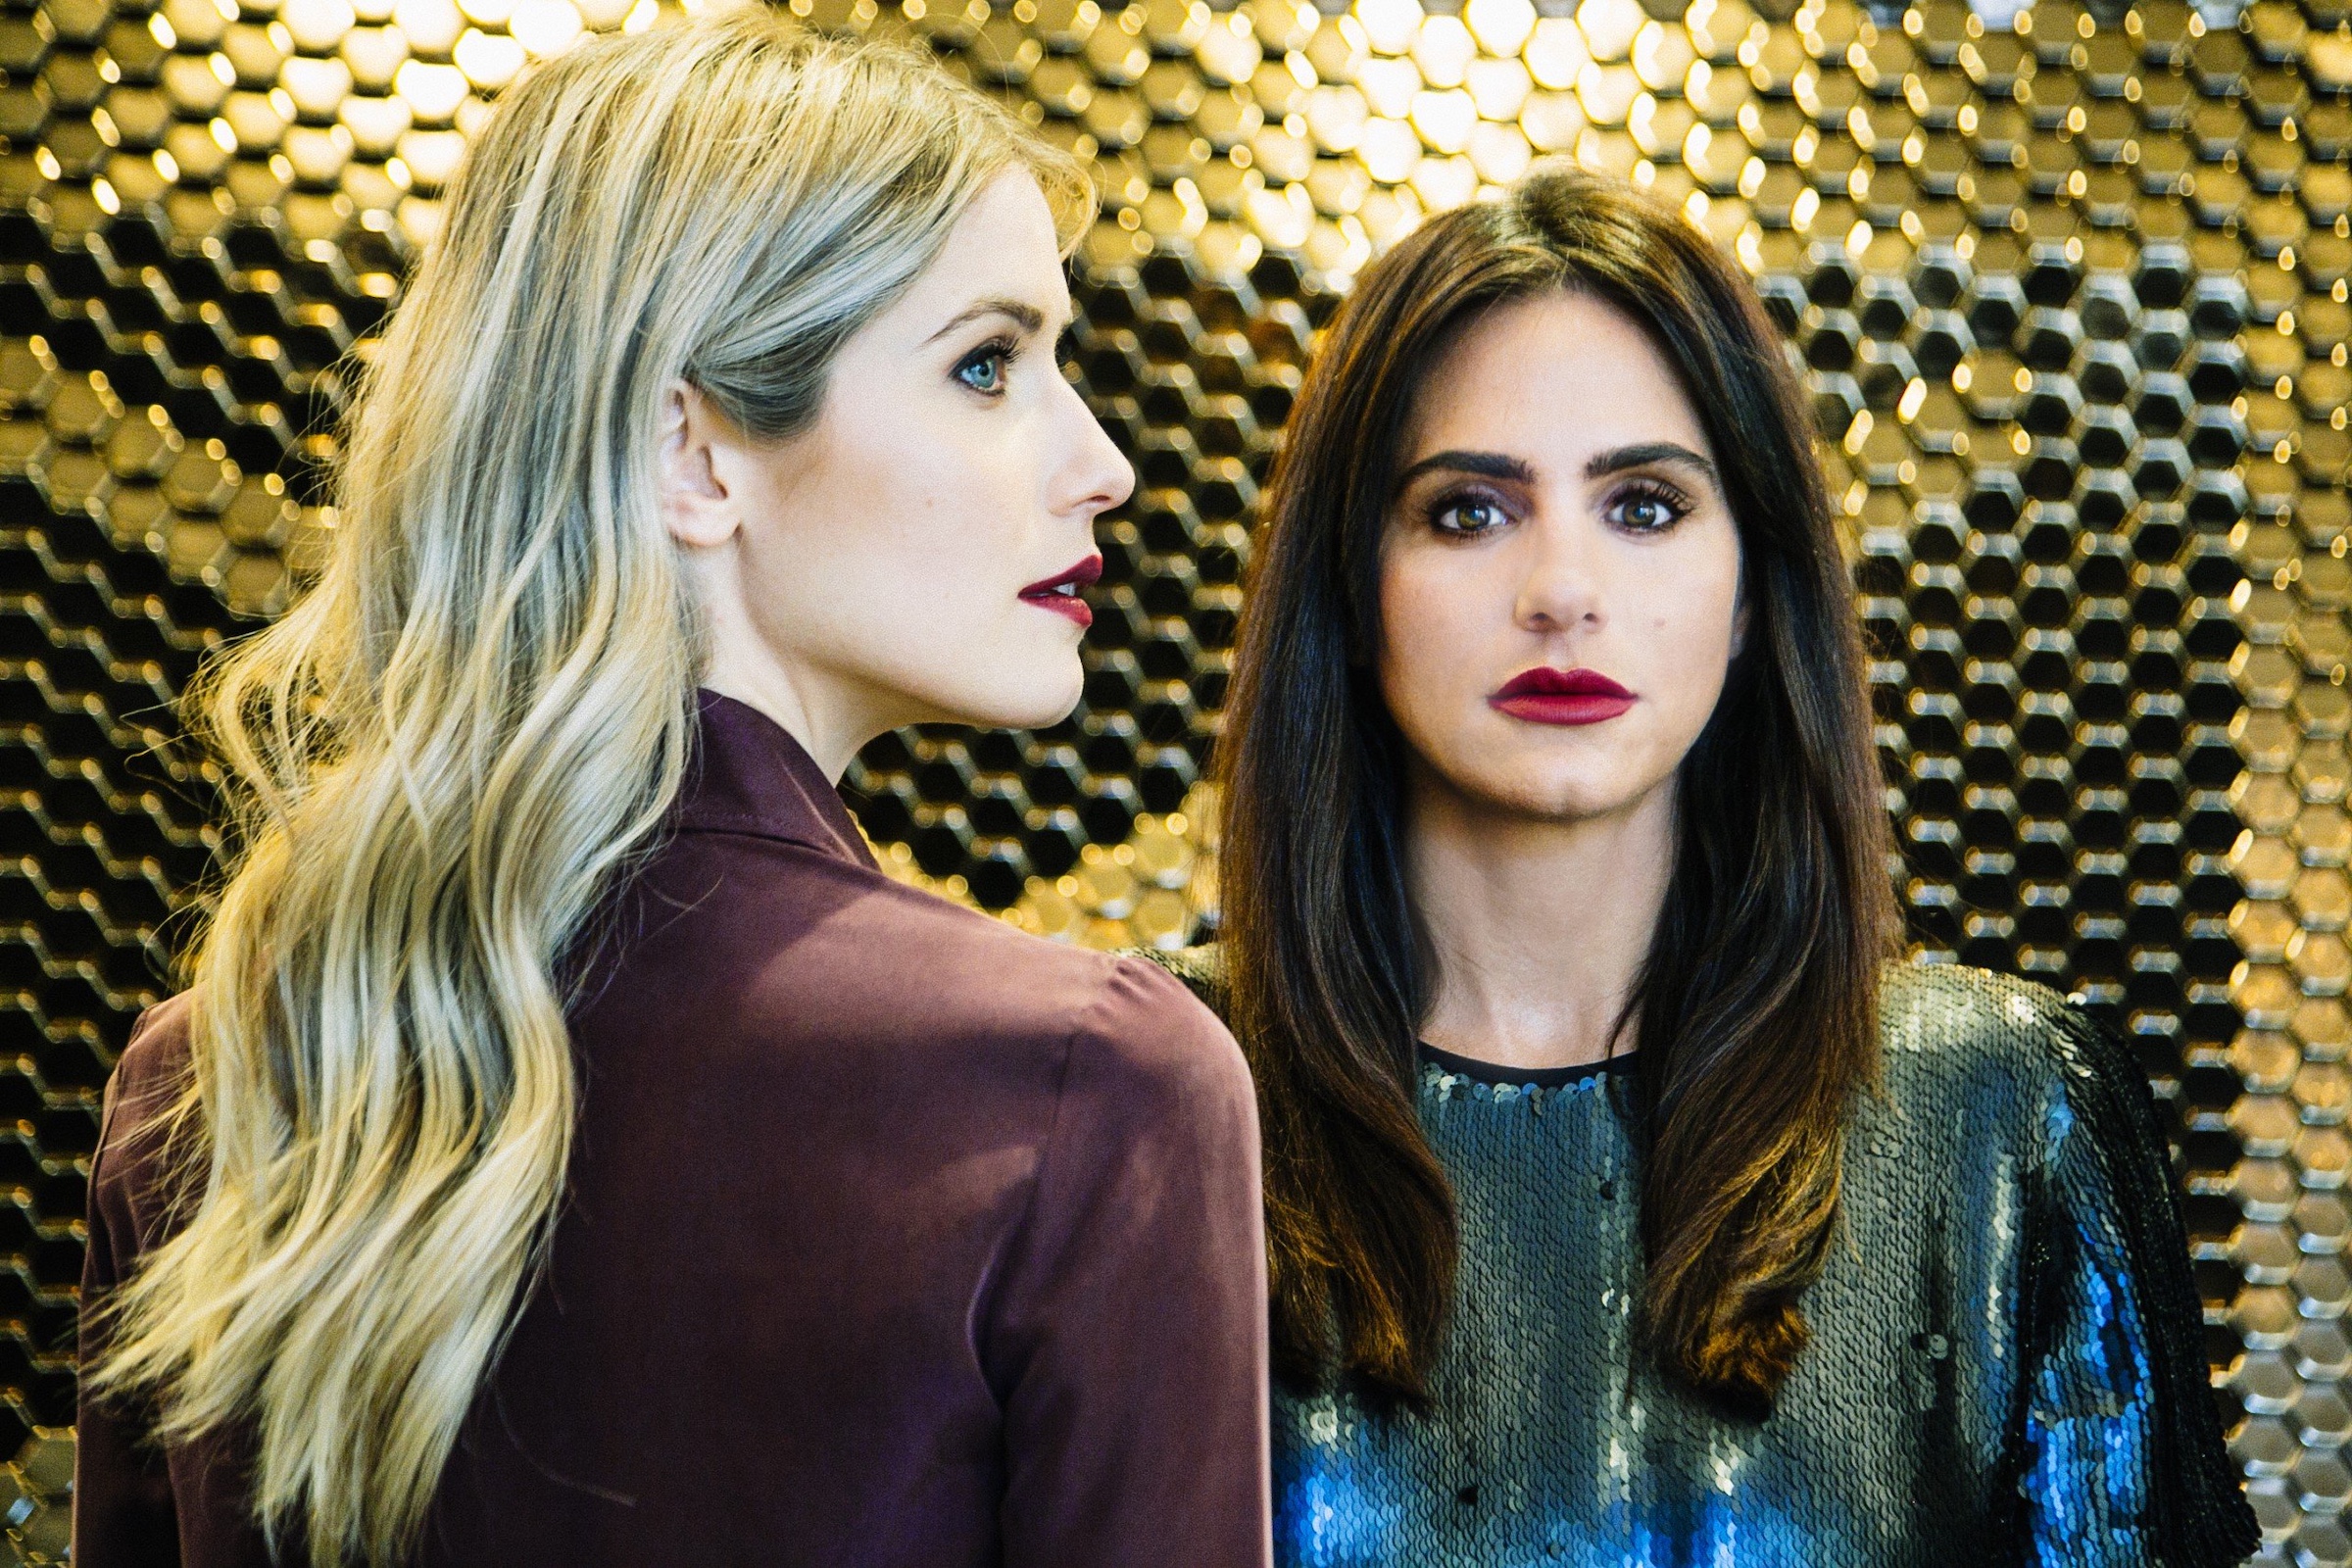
{"type": "Point", "coordinates": [1540, 793]}
{"type": "Point", "coordinates": [1044, 698]}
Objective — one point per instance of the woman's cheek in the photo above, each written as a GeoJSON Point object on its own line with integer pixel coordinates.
{"type": "Point", "coordinates": [1413, 612]}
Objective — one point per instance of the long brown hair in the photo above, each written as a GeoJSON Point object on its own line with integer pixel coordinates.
{"type": "Point", "coordinates": [1756, 1011]}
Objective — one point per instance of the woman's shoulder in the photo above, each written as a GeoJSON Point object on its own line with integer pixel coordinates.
{"type": "Point", "coordinates": [1149, 1025]}
{"type": "Point", "coordinates": [137, 1167]}
{"type": "Point", "coordinates": [845, 952]}
{"type": "Point", "coordinates": [1946, 1009]}
{"type": "Point", "coordinates": [1131, 1028]}
{"type": "Point", "coordinates": [152, 1072]}
{"type": "Point", "coordinates": [1154, 986]}
{"type": "Point", "coordinates": [1201, 968]}
{"type": "Point", "coordinates": [1954, 1035]}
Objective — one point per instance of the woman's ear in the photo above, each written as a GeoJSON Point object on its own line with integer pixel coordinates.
{"type": "Point", "coordinates": [696, 506]}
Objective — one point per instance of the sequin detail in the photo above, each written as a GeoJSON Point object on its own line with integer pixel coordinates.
{"type": "Point", "coordinates": [2006, 1365]}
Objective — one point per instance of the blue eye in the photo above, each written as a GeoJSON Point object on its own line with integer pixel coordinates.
{"type": "Point", "coordinates": [984, 370]}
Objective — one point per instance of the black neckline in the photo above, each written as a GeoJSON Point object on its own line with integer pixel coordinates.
{"type": "Point", "coordinates": [1493, 1073]}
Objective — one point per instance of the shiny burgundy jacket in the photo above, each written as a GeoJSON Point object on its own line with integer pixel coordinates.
{"type": "Point", "coordinates": [894, 1237]}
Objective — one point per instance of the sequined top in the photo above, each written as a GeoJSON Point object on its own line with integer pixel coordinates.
{"type": "Point", "coordinates": [2006, 1363]}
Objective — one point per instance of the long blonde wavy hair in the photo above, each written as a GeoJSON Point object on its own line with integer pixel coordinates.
{"type": "Point", "coordinates": [443, 757]}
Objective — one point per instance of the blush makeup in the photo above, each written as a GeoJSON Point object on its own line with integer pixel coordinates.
{"type": "Point", "coordinates": [1547, 696]}
{"type": "Point", "coordinates": [1060, 594]}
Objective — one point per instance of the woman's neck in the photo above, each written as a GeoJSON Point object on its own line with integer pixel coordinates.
{"type": "Point", "coordinates": [1538, 927]}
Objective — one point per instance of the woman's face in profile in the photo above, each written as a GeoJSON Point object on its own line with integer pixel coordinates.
{"type": "Point", "coordinates": [920, 550]}
{"type": "Point", "coordinates": [1559, 586]}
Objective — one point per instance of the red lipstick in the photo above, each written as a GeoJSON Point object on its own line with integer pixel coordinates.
{"type": "Point", "coordinates": [1547, 696]}
{"type": "Point", "coordinates": [1060, 594]}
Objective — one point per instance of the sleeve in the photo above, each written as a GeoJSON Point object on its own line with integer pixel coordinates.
{"type": "Point", "coordinates": [123, 1511]}
{"type": "Point", "coordinates": [2121, 1462]}
{"type": "Point", "coordinates": [1129, 1333]}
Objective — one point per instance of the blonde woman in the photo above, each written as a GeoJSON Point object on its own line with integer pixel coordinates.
{"type": "Point", "coordinates": [572, 1149]}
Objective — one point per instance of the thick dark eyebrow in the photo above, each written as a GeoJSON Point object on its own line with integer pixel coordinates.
{"type": "Point", "coordinates": [1619, 458]}
{"type": "Point", "coordinates": [1486, 464]}
{"type": "Point", "coordinates": [1028, 318]}
{"type": "Point", "coordinates": [1498, 466]}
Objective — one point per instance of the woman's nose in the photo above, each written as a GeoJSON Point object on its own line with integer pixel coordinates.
{"type": "Point", "coordinates": [1561, 585]}
{"type": "Point", "coordinates": [1097, 476]}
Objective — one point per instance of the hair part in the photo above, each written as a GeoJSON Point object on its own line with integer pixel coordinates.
{"type": "Point", "coordinates": [1756, 1011]}
{"type": "Point", "coordinates": [441, 760]}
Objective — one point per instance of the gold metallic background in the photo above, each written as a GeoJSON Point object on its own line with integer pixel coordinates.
{"type": "Point", "coordinates": [2069, 291]}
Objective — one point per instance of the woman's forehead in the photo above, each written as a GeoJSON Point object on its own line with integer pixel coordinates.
{"type": "Point", "coordinates": [1554, 379]}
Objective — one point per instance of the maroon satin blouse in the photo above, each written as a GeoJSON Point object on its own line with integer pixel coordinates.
{"type": "Point", "coordinates": [895, 1237]}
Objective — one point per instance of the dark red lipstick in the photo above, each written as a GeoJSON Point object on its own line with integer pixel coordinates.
{"type": "Point", "coordinates": [1547, 696]}
{"type": "Point", "coordinates": [1060, 594]}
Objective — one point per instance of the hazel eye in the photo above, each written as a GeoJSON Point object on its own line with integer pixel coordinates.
{"type": "Point", "coordinates": [1468, 515]}
{"type": "Point", "coordinates": [1646, 512]}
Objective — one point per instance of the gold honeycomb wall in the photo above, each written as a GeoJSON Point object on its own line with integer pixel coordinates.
{"type": "Point", "coordinates": [2068, 289]}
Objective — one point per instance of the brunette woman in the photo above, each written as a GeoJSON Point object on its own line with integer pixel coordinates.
{"type": "Point", "coordinates": [1628, 1203]}
{"type": "Point", "coordinates": [574, 1151]}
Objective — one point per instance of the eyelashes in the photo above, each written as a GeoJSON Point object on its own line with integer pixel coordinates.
{"type": "Point", "coordinates": [1643, 505]}
{"type": "Point", "coordinates": [1667, 506]}
{"type": "Point", "coordinates": [1461, 502]}
{"type": "Point", "coordinates": [985, 368]}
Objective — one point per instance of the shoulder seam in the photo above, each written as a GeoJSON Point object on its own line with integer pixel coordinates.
{"type": "Point", "coordinates": [1026, 1226]}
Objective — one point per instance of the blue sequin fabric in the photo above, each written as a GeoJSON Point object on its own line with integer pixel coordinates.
{"type": "Point", "coordinates": [2006, 1363]}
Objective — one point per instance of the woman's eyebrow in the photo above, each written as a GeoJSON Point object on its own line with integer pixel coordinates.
{"type": "Point", "coordinates": [1486, 464]}
{"type": "Point", "coordinates": [1028, 318]}
{"type": "Point", "coordinates": [1616, 460]}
